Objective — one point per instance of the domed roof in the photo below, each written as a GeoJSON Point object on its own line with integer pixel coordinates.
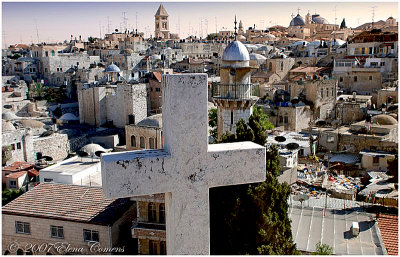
{"type": "Point", "coordinates": [265, 48]}
{"type": "Point", "coordinates": [68, 116]}
{"type": "Point", "coordinates": [383, 119]}
{"type": "Point", "coordinates": [112, 68]}
{"type": "Point", "coordinates": [257, 57]}
{"type": "Point", "coordinates": [155, 57]}
{"type": "Point", "coordinates": [7, 126]}
{"type": "Point", "coordinates": [152, 121]}
{"type": "Point", "coordinates": [8, 116]}
{"type": "Point", "coordinates": [236, 51]}
{"type": "Point", "coordinates": [31, 123]}
{"type": "Point", "coordinates": [91, 149]}
{"type": "Point", "coordinates": [319, 20]}
{"type": "Point", "coordinates": [297, 21]}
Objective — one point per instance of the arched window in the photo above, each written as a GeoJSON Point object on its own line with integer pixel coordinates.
{"type": "Point", "coordinates": [270, 66]}
{"type": "Point", "coordinates": [7, 252]}
{"type": "Point", "coordinates": [151, 143]}
{"type": "Point", "coordinates": [162, 213]}
{"type": "Point", "coordinates": [153, 247]}
{"type": "Point", "coordinates": [20, 252]}
{"type": "Point", "coordinates": [163, 248]}
{"type": "Point", "coordinates": [133, 141]}
{"type": "Point", "coordinates": [142, 143]}
{"type": "Point", "coordinates": [152, 213]}
{"type": "Point", "coordinates": [281, 66]}
{"type": "Point", "coordinates": [53, 53]}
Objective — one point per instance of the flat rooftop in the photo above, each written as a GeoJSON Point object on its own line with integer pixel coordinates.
{"type": "Point", "coordinates": [310, 225]}
{"type": "Point", "coordinates": [73, 165]}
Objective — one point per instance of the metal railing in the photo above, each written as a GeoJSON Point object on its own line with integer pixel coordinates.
{"type": "Point", "coordinates": [148, 225]}
{"type": "Point", "coordinates": [235, 91]}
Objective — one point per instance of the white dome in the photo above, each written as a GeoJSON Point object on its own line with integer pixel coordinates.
{"type": "Point", "coordinates": [236, 51]}
{"type": "Point", "coordinates": [112, 68]}
{"type": "Point", "coordinates": [7, 126]}
{"type": "Point", "coordinates": [91, 149]}
{"type": "Point", "coordinates": [68, 117]}
{"type": "Point", "coordinates": [257, 57]}
{"type": "Point", "coordinates": [152, 121]}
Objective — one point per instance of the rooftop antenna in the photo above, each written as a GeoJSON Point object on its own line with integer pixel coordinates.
{"type": "Point", "coordinates": [373, 14]}
{"type": "Point", "coordinates": [216, 25]}
{"type": "Point", "coordinates": [100, 28]}
{"type": "Point", "coordinates": [235, 28]}
{"type": "Point", "coordinates": [335, 17]}
{"type": "Point", "coordinates": [37, 32]}
{"type": "Point", "coordinates": [179, 26]}
{"type": "Point", "coordinates": [206, 24]}
{"type": "Point", "coordinates": [136, 21]}
{"type": "Point", "coordinates": [4, 39]}
{"type": "Point", "coordinates": [108, 24]}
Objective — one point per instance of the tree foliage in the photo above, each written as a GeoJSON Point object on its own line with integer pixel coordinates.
{"type": "Point", "coordinates": [343, 24]}
{"type": "Point", "coordinates": [252, 218]}
{"type": "Point", "coordinates": [393, 169]}
{"type": "Point", "coordinates": [323, 249]}
{"type": "Point", "coordinates": [10, 194]}
{"type": "Point", "coordinates": [5, 154]}
{"type": "Point", "coordinates": [213, 122]}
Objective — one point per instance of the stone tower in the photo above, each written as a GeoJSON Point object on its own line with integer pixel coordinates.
{"type": "Point", "coordinates": [234, 95]}
{"type": "Point", "coordinates": [161, 23]}
{"type": "Point", "coordinates": [240, 30]}
{"type": "Point", "coordinates": [308, 18]}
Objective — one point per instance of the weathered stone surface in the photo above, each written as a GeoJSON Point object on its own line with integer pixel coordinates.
{"type": "Point", "coordinates": [187, 166]}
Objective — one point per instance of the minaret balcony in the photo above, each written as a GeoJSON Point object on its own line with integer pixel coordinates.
{"type": "Point", "coordinates": [235, 91]}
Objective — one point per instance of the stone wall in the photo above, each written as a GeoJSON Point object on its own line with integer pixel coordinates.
{"type": "Point", "coordinates": [55, 146]}
{"type": "Point", "coordinates": [146, 132]}
{"type": "Point", "coordinates": [14, 138]}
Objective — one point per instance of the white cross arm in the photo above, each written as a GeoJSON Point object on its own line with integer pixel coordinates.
{"type": "Point", "coordinates": [235, 163]}
{"type": "Point", "coordinates": [135, 173]}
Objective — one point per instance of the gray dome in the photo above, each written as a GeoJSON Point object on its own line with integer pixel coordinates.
{"type": "Point", "coordinates": [9, 116]}
{"type": "Point", "coordinates": [236, 51]}
{"type": "Point", "coordinates": [112, 68]}
{"type": "Point", "coordinates": [383, 119]}
{"type": "Point", "coordinates": [152, 121]}
{"type": "Point", "coordinates": [297, 21]}
{"type": "Point", "coordinates": [257, 57]}
{"type": "Point", "coordinates": [31, 123]}
{"type": "Point", "coordinates": [319, 20]}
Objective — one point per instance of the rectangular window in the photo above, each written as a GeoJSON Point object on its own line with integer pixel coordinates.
{"type": "Point", "coordinates": [340, 79]}
{"type": "Point", "coordinates": [355, 78]}
{"type": "Point", "coordinates": [158, 89]}
{"type": "Point", "coordinates": [370, 77]}
{"type": "Point", "coordinates": [153, 247]}
{"type": "Point", "coordinates": [48, 180]}
{"type": "Point", "coordinates": [22, 227]}
{"type": "Point", "coordinates": [12, 184]}
{"type": "Point", "coordinates": [56, 231]}
{"type": "Point", "coordinates": [90, 235]}
{"type": "Point", "coordinates": [142, 143]}
{"type": "Point", "coordinates": [280, 119]}
{"type": "Point", "coordinates": [375, 160]}
{"type": "Point", "coordinates": [12, 146]}
{"type": "Point", "coordinates": [18, 145]}
{"type": "Point", "coordinates": [163, 248]}
{"type": "Point", "coordinates": [322, 92]}
{"type": "Point", "coordinates": [330, 139]}
{"type": "Point", "coordinates": [286, 119]}
{"type": "Point", "coordinates": [231, 118]}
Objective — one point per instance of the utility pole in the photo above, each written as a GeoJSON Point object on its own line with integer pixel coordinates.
{"type": "Point", "coordinates": [4, 39]}
{"type": "Point", "coordinates": [373, 15]}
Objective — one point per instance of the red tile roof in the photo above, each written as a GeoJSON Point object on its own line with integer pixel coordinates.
{"type": "Point", "coordinates": [68, 202]}
{"type": "Point", "coordinates": [18, 166]}
{"type": "Point", "coordinates": [33, 173]}
{"type": "Point", "coordinates": [157, 75]}
{"type": "Point", "coordinates": [16, 174]}
{"type": "Point", "coordinates": [389, 227]}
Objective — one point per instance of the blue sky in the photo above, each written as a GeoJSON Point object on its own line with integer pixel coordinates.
{"type": "Point", "coordinates": [56, 21]}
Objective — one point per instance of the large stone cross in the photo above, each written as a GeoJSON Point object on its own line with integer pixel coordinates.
{"type": "Point", "coordinates": [186, 167]}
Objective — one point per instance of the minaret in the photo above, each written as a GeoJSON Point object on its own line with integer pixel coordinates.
{"type": "Point", "coordinates": [240, 31]}
{"type": "Point", "coordinates": [308, 18]}
{"type": "Point", "coordinates": [161, 23]}
{"type": "Point", "coordinates": [233, 95]}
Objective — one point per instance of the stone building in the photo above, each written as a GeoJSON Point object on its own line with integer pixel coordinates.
{"type": "Point", "coordinates": [352, 108]}
{"type": "Point", "coordinates": [149, 228]}
{"type": "Point", "coordinates": [161, 23]}
{"type": "Point", "coordinates": [387, 96]}
{"type": "Point", "coordinates": [146, 134]}
{"type": "Point", "coordinates": [320, 94]}
{"type": "Point", "coordinates": [200, 49]}
{"type": "Point", "coordinates": [291, 118]}
{"type": "Point", "coordinates": [313, 26]}
{"type": "Point", "coordinates": [154, 92]}
{"type": "Point", "coordinates": [76, 216]}
{"type": "Point", "coordinates": [111, 104]}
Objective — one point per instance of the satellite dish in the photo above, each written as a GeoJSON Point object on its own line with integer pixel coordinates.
{"type": "Point", "coordinates": [280, 139]}
{"type": "Point", "coordinates": [47, 158]}
{"type": "Point", "coordinates": [98, 153]}
{"type": "Point", "coordinates": [292, 146]}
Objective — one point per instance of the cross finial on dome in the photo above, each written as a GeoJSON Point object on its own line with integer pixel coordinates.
{"type": "Point", "coordinates": [298, 10]}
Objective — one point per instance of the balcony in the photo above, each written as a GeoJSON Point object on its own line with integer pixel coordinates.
{"type": "Point", "coordinates": [236, 91]}
{"type": "Point", "coordinates": [146, 230]}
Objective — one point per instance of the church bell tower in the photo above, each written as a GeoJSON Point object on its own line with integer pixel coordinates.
{"type": "Point", "coordinates": [161, 23]}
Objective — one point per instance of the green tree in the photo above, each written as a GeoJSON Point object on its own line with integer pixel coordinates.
{"type": "Point", "coordinates": [343, 24]}
{"type": "Point", "coordinates": [10, 194]}
{"type": "Point", "coordinates": [323, 249]}
{"type": "Point", "coordinates": [39, 90]}
{"type": "Point", "coordinates": [211, 36]}
{"type": "Point", "coordinates": [252, 218]}
{"type": "Point", "coordinates": [5, 154]}
{"type": "Point", "coordinates": [213, 122]}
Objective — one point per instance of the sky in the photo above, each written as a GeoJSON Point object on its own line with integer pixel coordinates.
{"type": "Point", "coordinates": [33, 22]}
